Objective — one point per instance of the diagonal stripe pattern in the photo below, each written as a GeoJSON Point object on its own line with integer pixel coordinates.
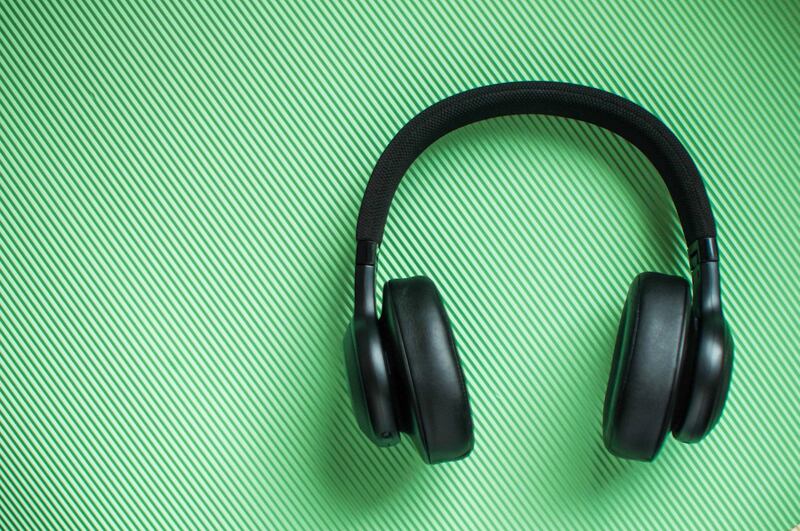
{"type": "Point", "coordinates": [179, 184]}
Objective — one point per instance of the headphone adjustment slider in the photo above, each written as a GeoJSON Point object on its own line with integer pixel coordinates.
{"type": "Point", "coordinates": [366, 252]}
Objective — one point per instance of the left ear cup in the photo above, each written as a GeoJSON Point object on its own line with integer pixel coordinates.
{"type": "Point", "coordinates": [433, 407]}
{"type": "Point", "coordinates": [648, 359]}
{"type": "Point", "coordinates": [370, 381]}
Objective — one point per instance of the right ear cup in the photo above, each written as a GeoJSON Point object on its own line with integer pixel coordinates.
{"type": "Point", "coordinates": [432, 403]}
{"type": "Point", "coordinates": [646, 367]}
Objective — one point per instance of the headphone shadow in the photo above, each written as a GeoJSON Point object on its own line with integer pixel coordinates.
{"type": "Point", "coordinates": [578, 473]}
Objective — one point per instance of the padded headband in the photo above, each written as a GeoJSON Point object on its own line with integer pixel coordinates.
{"type": "Point", "coordinates": [623, 117]}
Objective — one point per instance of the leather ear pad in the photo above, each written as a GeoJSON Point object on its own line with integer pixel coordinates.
{"type": "Point", "coordinates": [647, 362]}
{"type": "Point", "coordinates": [423, 358]}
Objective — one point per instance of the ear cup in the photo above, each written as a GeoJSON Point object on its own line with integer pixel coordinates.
{"type": "Point", "coordinates": [434, 407]}
{"type": "Point", "coordinates": [370, 382]}
{"type": "Point", "coordinates": [646, 367]}
{"type": "Point", "coordinates": [704, 380]}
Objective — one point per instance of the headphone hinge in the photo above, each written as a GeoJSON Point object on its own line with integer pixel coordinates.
{"type": "Point", "coordinates": [702, 251]}
{"type": "Point", "coordinates": [365, 291]}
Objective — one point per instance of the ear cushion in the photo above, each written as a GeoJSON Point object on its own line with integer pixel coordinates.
{"type": "Point", "coordinates": [425, 364]}
{"type": "Point", "coordinates": [645, 371]}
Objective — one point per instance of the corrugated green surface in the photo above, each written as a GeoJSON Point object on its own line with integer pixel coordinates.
{"type": "Point", "coordinates": [178, 192]}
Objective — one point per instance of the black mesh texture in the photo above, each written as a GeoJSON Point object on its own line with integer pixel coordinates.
{"type": "Point", "coordinates": [606, 110]}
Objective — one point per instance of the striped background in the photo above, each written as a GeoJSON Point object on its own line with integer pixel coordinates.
{"type": "Point", "coordinates": [178, 192]}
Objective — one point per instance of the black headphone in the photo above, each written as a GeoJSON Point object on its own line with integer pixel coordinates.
{"type": "Point", "coordinates": [673, 356]}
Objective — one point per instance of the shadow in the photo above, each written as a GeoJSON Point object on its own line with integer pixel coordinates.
{"type": "Point", "coordinates": [581, 470]}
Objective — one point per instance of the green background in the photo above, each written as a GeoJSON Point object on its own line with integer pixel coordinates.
{"type": "Point", "coordinates": [179, 187]}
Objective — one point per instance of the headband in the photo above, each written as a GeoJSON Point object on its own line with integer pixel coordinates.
{"type": "Point", "coordinates": [623, 117]}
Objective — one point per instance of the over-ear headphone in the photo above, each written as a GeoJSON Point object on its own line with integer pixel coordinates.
{"type": "Point", "coordinates": [673, 356]}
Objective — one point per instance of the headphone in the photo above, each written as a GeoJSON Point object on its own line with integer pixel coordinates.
{"type": "Point", "coordinates": [673, 356]}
